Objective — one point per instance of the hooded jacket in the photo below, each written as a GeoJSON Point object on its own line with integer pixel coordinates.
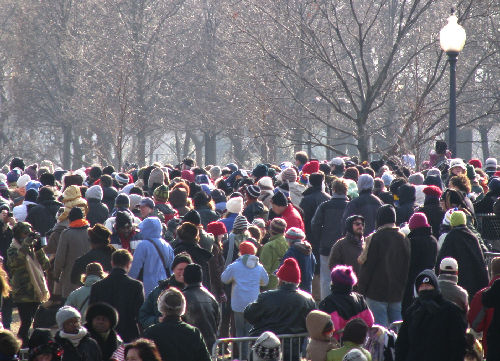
{"type": "Point", "coordinates": [365, 205]}
{"type": "Point", "coordinates": [406, 205]}
{"type": "Point", "coordinates": [347, 250]}
{"type": "Point", "coordinates": [319, 344]}
{"type": "Point", "coordinates": [302, 252]}
{"type": "Point", "coordinates": [79, 298]}
{"type": "Point", "coordinates": [146, 256]}
{"type": "Point", "coordinates": [324, 230]}
{"type": "Point", "coordinates": [246, 275]}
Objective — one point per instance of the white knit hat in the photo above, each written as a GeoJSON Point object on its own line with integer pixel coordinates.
{"type": "Point", "coordinates": [266, 183]}
{"type": "Point", "coordinates": [94, 192]}
{"type": "Point", "coordinates": [23, 180]}
{"type": "Point", "coordinates": [65, 313]}
{"type": "Point", "coordinates": [234, 205]}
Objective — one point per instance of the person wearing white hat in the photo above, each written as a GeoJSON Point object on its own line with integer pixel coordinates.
{"type": "Point", "coordinates": [448, 279]}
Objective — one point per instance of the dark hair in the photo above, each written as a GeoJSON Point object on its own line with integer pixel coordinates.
{"type": "Point", "coordinates": [9, 343]}
{"type": "Point", "coordinates": [201, 199]}
{"type": "Point", "coordinates": [147, 349]}
{"type": "Point", "coordinates": [255, 233]}
{"type": "Point", "coordinates": [136, 190]}
{"type": "Point", "coordinates": [301, 157]}
{"type": "Point", "coordinates": [121, 258]}
{"type": "Point", "coordinates": [106, 180]}
{"type": "Point", "coordinates": [355, 331]}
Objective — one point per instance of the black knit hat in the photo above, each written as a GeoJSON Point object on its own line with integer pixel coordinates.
{"type": "Point", "coordinates": [279, 199]}
{"type": "Point", "coordinates": [122, 219]}
{"type": "Point", "coordinates": [193, 273]}
{"type": "Point", "coordinates": [316, 179]}
{"type": "Point", "coordinates": [41, 342]}
{"type": "Point", "coordinates": [192, 216]}
{"type": "Point", "coordinates": [75, 213]}
{"type": "Point", "coordinates": [385, 215]}
{"type": "Point", "coordinates": [48, 179]}
{"type": "Point", "coordinates": [102, 309]}
{"type": "Point", "coordinates": [181, 258]}
{"type": "Point", "coordinates": [122, 201]}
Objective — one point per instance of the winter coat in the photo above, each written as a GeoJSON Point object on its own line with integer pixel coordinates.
{"type": "Point", "coordinates": [22, 288]}
{"type": "Point", "coordinates": [302, 253]}
{"type": "Point", "coordinates": [323, 226]}
{"type": "Point", "coordinates": [423, 252]}
{"type": "Point", "coordinates": [452, 292]}
{"type": "Point", "coordinates": [107, 345]}
{"type": "Point", "coordinates": [53, 237]}
{"type": "Point", "coordinates": [148, 313]}
{"type": "Point", "coordinates": [365, 205]}
{"type": "Point", "coordinates": [109, 195]}
{"type": "Point", "coordinates": [20, 212]}
{"type": "Point", "coordinates": [292, 218]}
{"type": "Point", "coordinates": [491, 299]}
{"type": "Point", "coordinates": [80, 297]}
{"type": "Point", "coordinates": [43, 216]}
{"type": "Point", "coordinates": [146, 256]}
{"type": "Point", "coordinates": [339, 353]}
{"type": "Point", "coordinates": [206, 240]}
{"type": "Point", "coordinates": [282, 311]}
{"type": "Point", "coordinates": [206, 215]}
{"type": "Point", "coordinates": [98, 211]}
{"type": "Point", "coordinates": [236, 239]}
{"type": "Point", "coordinates": [246, 275]}
{"type": "Point", "coordinates": [271, 255]}
{"type": "Point", "coordinates": [87, 349]}
{"type": "Point", "coordinates": [117, 242]}
{"type": "Point", "coordinates": [296, 192]}
{"type": "Point", "coordinates": [343, 305]}
{"type": "Point", "coordinates": [433, 329]}
{"type": "Point", "coordinates": [383, 276]}
{"type": "Point", "coordinates": [202, 311]}
{"type": "Point", "coordinates": [254, 210]}
{"type": "Point", "coordinates": [215, 268]}
{"type": "Point", "coordinates": [101, 255]}
{"type": "Point", "coordinates": [435, 214]}
{"type": "Point", "coordinates": [198, 255]}
{"type": "Point", "coordinates": [405, 207]}
{"type": "Point", "coordinates": [461, 244]}
{"type": "Point", "coordinates": [346, 252]}
{"type": "Point", "coordinates": [178, 341]}
{"type": "Point", "coordinates": [485, 205]}
{"type": "Point", "coordinates": [313, 197]}
{"type": "Point", "coordinates": [126, 295]}
{"type": "Point", "coordinates": [229, 221]}
{"type": "Point", "coordinates": [319, 344]}
{"type": "Point", "coordinates": [73, 243]}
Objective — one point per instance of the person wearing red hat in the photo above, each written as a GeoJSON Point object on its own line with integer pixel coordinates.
{"type": "Point", "coordinates": [432, 208]}
{"type": "Point", "coordinates": [216, 263]}
{"type": "Point", "coordinates": [284, 310]}
{"type": "Point", "coordinates": [476, 163]}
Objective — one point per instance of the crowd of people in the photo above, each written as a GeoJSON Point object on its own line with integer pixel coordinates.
{"type": "Point", "coordinates": [374, 260]}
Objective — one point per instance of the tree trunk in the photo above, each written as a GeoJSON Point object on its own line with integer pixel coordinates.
{"type": "Point", "coordinates": [210, 148]}
{"type": "Point", "coordinates": [141, 147]}
{"type": "Point", "coordinates": [77, 152]}
{"type": "Point", "coordinates": [67, 139]}
{"type": "Point", "coordinates": [297, 137]}
{"type": "Point", "coordinates": [363, 142]}
{"type": "Point", "coordinates": [485, 146]}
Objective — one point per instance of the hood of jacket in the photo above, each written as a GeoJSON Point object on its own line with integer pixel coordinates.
{"type": "Point", "coordinates": [303, 247]}
{"type": "Point", "coordinates": [90, 280]}
{"type": "Point", "coordinates": [316, 322]}
{"type": "Point", "coordinates": [249, 260]}
{"type": "Point", "coordinates": [150, 228]}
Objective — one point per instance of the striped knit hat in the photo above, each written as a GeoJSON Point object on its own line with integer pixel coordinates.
{"type": "Point", "coordinates": [278, 226]}
{"type": "Point", "coordinates": [253, 191]}
{"type": "Point", "coordinates": [294, 234]}
{"type": "Point", "coordinates": [240, 223]}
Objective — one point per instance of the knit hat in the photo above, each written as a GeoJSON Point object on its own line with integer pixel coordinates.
{"type": "Point", "coordinates": [75, 213]}
{"type": "Point", "coordinates": [240, 223]}
{"type": "Point", "coordinates": [387, 178]}
{"type": "Point", "coordinates": [161, 193]}
{"type": "Point", "coordinates": [289, 175]}
{"type": "Point", "coordinates": [182, 257]}
{"type": "Point", "coordinates": [253, 191]}
{"type": "Point", "coordinates": [457, 162]}
{"type": "Point", "coordinates": [260, 171]}
{"type": "Point", "coordinates": [316, 179]}
{"type": "Point", "coordinates": [343, 275]}
{"type": "Point", "coordinates": [267, 347]}
{"type": "Point", "coordinates": [122, 179]}
{"type": "Point", "coordinates": [365, 182]}
{"type": "Point", "coordinates": [336, 161]}
{"type": "Point", "coordinates": [193, 217]}
{"type": "Point", "coordinates": [355, 331]}
{"type": "Point", "coordinates": [494, 186]}
{"type": "Point", "coordinates": [234, 205]}
{"type": "Point", "coordinates": [278, 226]}
{"type": "Point", "coordinates": [135, 200]}
{"type": "Point", "coordinates": [294, 234]}
{"type": "Point", "coordinates": [385, 215]}
{"type": "Point", "coordinates": [13, 175]}
{"type": "Point", "coordinates": [94, 192]}
{"type": "Point", "coordinates": [102, 309]}
{"type": "Point", "coordinates": [172, 302]}
{"type": "Point", "coordinates": [23, 180]}
{"type": "Point", "coordinates": [259, 222]}
{"type": "Point", "coordinates": [99, 234]}
{"type": "Point", "coordinates": [457, 219]}
{"type": "Point", "coordinates": [122, 219]}
{"type": "Point", "coordinates": [122, 201]}
{"type": "Point", "coordinates": [265, 183]}
{"type": "Point", "coordinates": [193, 273]}
{"type": "Point", "coordinates": [65, 313]}
{"type": "Point", "coordinates": [217, 228]}
{"type": "Point", "coordinates": [433, 191]}
{"type": "Point", "coordinates": [448, 264]}
{"type": "Point", "coordinates": [495, 266]}
{"type": "Point", "coordinates": [289, 271]}
{"type": "Point", "coordinates": [218, 196]}
{"type": "Point", "coordinates": [147, 202]}
{"type": "Point", "coordinates": [355, 355]}
{"type": "Point", "coordinates": [426, 276]}
{"type": "Point", "coordinates": [490, 163]}
{"type": "Point", "coordinates": [33, 185]}
{"type": "Point", "coordinates": [418, 220]}
{"type": "Point", "coordinates": [476, 163]}
{"type": "Point", "coordinates": [416, 179]}
{"type": "Point", "coordinates": [156, 177]}
{"type": "Point", "coordinates": [247, 248]}
{"type": "Point", "coordinates": [311, 167]}
{"type": "Point", "coordinates": [279, 199]}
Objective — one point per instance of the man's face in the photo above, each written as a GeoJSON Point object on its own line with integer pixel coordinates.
{"type": "Point", "coordinates": [278, 209]}
{"type": "Point", "coordinates": [101, 324]}
{"type": "Point", "coordinates": [179, 272]}
{"type": "Point", "coordinates": [71, 325]}
{"type": "Point", "coordinates": [425, 287]}
{"type": "Point", "coordinates": [145, 211]}
{"type": "Point", "coordinates": [358, 227]}
{"type": "Point", "coordinates": [125, 230]}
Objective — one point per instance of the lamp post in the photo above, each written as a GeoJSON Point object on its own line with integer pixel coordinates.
{"type": "Point", "coordinates": [452, 41]}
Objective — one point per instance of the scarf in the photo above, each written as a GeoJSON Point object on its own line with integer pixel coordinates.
{"type": "Point", "coordinates": [74, 338]}
{"type": "Point", "coordinates": [79, 223]}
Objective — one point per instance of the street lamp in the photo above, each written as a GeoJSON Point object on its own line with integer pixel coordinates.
{"type": "Point", "coordinates": [452, 41]}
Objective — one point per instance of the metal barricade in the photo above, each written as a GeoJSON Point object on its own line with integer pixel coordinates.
{"type": "Point", "coordinates": [225, 349]}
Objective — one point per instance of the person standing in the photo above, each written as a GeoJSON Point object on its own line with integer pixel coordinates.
{"type": "Point", "coordinates": [100, 322]}
{"type": "Point", "coordinates": [448, 284]}
{"type": "Point", "coordinates": [274, 250]}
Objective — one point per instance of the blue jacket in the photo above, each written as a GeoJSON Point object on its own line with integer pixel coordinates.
{"type": "Point", "coordinates": [302, 252]}
{"type": "Point", "coordinates": [146, 256]}
{"type": "Point", "coordinates": [229, 221]}
{"type": "Point", "coordinates": [247, 276]}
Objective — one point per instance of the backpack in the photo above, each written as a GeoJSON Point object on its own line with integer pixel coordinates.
{"type": "Point", "coordinates": [381, 343]}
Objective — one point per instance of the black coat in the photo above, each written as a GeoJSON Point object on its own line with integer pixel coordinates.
{"type": "Point", "coordinates": [281, 311]}
{"type": "Point", "coordinates": [98, 211]}
{"type": "Point", "coordinates": [109, 195]}
{"type": "Point", "coordinates": [256, 210]}
{"type": "Point", "coordinates": [101, 255]}
{"type": "Point", "coordinates": [433, 330]}
{"type": "Point", "coordinates": [423, 252]}
{"type": "Point", "coordinates": [365, 205]}
{"type": "Point", "coordinates": [87, 350]}
{"type": "Point", "coordinates": [108, 345]}
{"type": "Point", "coordinates": [178, 341]}
{"type": "Point", "coordinates": [491, 299]}
{"type": "Point", "coordinates": [485, 205]}
{"type": "Point", "coordinates": [461, 244]}
{"type": "Point", "coordinates": [435, 214]}
{"type": "Point", "coordinates": [202, 311]}
{"type": "Point", "coordinates": [126, 295]}
{"type": "Point", "coordinates": [206, 215]}
{"type": "Point", "coordinates": [313, 197]}
{"type": "Point", "coordinates": [198, 255]}
{"type": "Point", "coordinates": [43, 216]}
{"type": "Point", "coordinates": [324, 225]}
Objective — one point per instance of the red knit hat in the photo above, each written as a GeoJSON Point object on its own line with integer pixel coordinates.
{"type": "Point", "coordinates": [247, 248]}
{"type": "Point", "coordinates": [289, 271]}
{"type": "Point", "coordinates": [311, 167]}
{"type": "Point", "coordinates": [476, 163]}
{"type": "Point", "coordinates": [188, 175]}
{"type": "Point", "coordinates": [216, 228]}
{"type": "Point", "coordinates": [433, 191]}
{"type": "Point", "coordinates": [418, 220]}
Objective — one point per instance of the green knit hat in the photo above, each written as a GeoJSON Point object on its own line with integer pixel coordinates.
{"type": "Point", "coordinates": [458, 219]}
{"type": "Point", "coordinates": [161, 193]}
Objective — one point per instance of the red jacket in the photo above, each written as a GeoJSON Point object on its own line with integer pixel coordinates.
{"type": "Point", "coordinates": [480, 317]}
{"type": "Point", "coordinates": [292, 218]}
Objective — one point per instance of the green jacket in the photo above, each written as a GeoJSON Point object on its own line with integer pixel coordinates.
{"type": "Point", "coordinates": [270, 257]}
{"type": "Point", "coordinates": [22, 289]}
{"type": "Point", "coordinates": [339, 353]}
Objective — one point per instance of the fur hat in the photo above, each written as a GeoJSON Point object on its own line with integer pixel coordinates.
{"type": "Point", "coordinates": [99, 234]}
{"type": "Point", "coordinates": [289, 271]}
{"type": "Point", "coordinates": [65, 313]}
{"type": "Point", "coordinates": [102, 309]}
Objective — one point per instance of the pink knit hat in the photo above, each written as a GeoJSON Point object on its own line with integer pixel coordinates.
{"type": "Point", "coordinates": [418, 220]}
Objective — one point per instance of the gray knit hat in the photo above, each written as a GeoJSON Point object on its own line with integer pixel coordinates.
{"type": "Point", "coordinates": [240, 223]}
{"type": "Point", "coordinates": [65, 313]}
{"type": "Point", "coordinates": [365, 182]}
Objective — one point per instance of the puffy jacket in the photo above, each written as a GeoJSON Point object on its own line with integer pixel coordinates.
{"type": "Point", "coordinates": [292, 218]}
{"type": "Point", "coordinates": [98, 211]}
{"type": "Point", "coordinates": [322, 225]}
{"type": "Point", "coordinates": [365, 205]}
{"type": "Point", "coordinates": [87, 349]}
{"type": "Point", "coordinates": [80, 297]}
{"type": "Point", "coordinates": [319, 344]}
{"type": "Point", "coordinates": [43, 216]}
{"type": "Point", "coordinates": [146, 256]}
{"type": "Point", "coordinates": [247, 275]}
{"type": "Point", "coordinates": [270, 256]}
{"type": "Point", "coordinates": [302, 253]}
{"type": "Point", "coordinates": [281, 311]}
{"type": "Point", "coordinates": [202, 311]}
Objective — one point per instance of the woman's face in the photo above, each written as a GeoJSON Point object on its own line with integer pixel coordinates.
{"type": "Point", "coordinates": [43, 357]}
{"type": "Point", "coordinates": [179, 272]}
{"type": "Point", "coordinates": [133, 355]}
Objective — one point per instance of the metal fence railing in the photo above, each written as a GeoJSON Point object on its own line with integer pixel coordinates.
{"type": "Point", "coordinates": [488, 225]}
